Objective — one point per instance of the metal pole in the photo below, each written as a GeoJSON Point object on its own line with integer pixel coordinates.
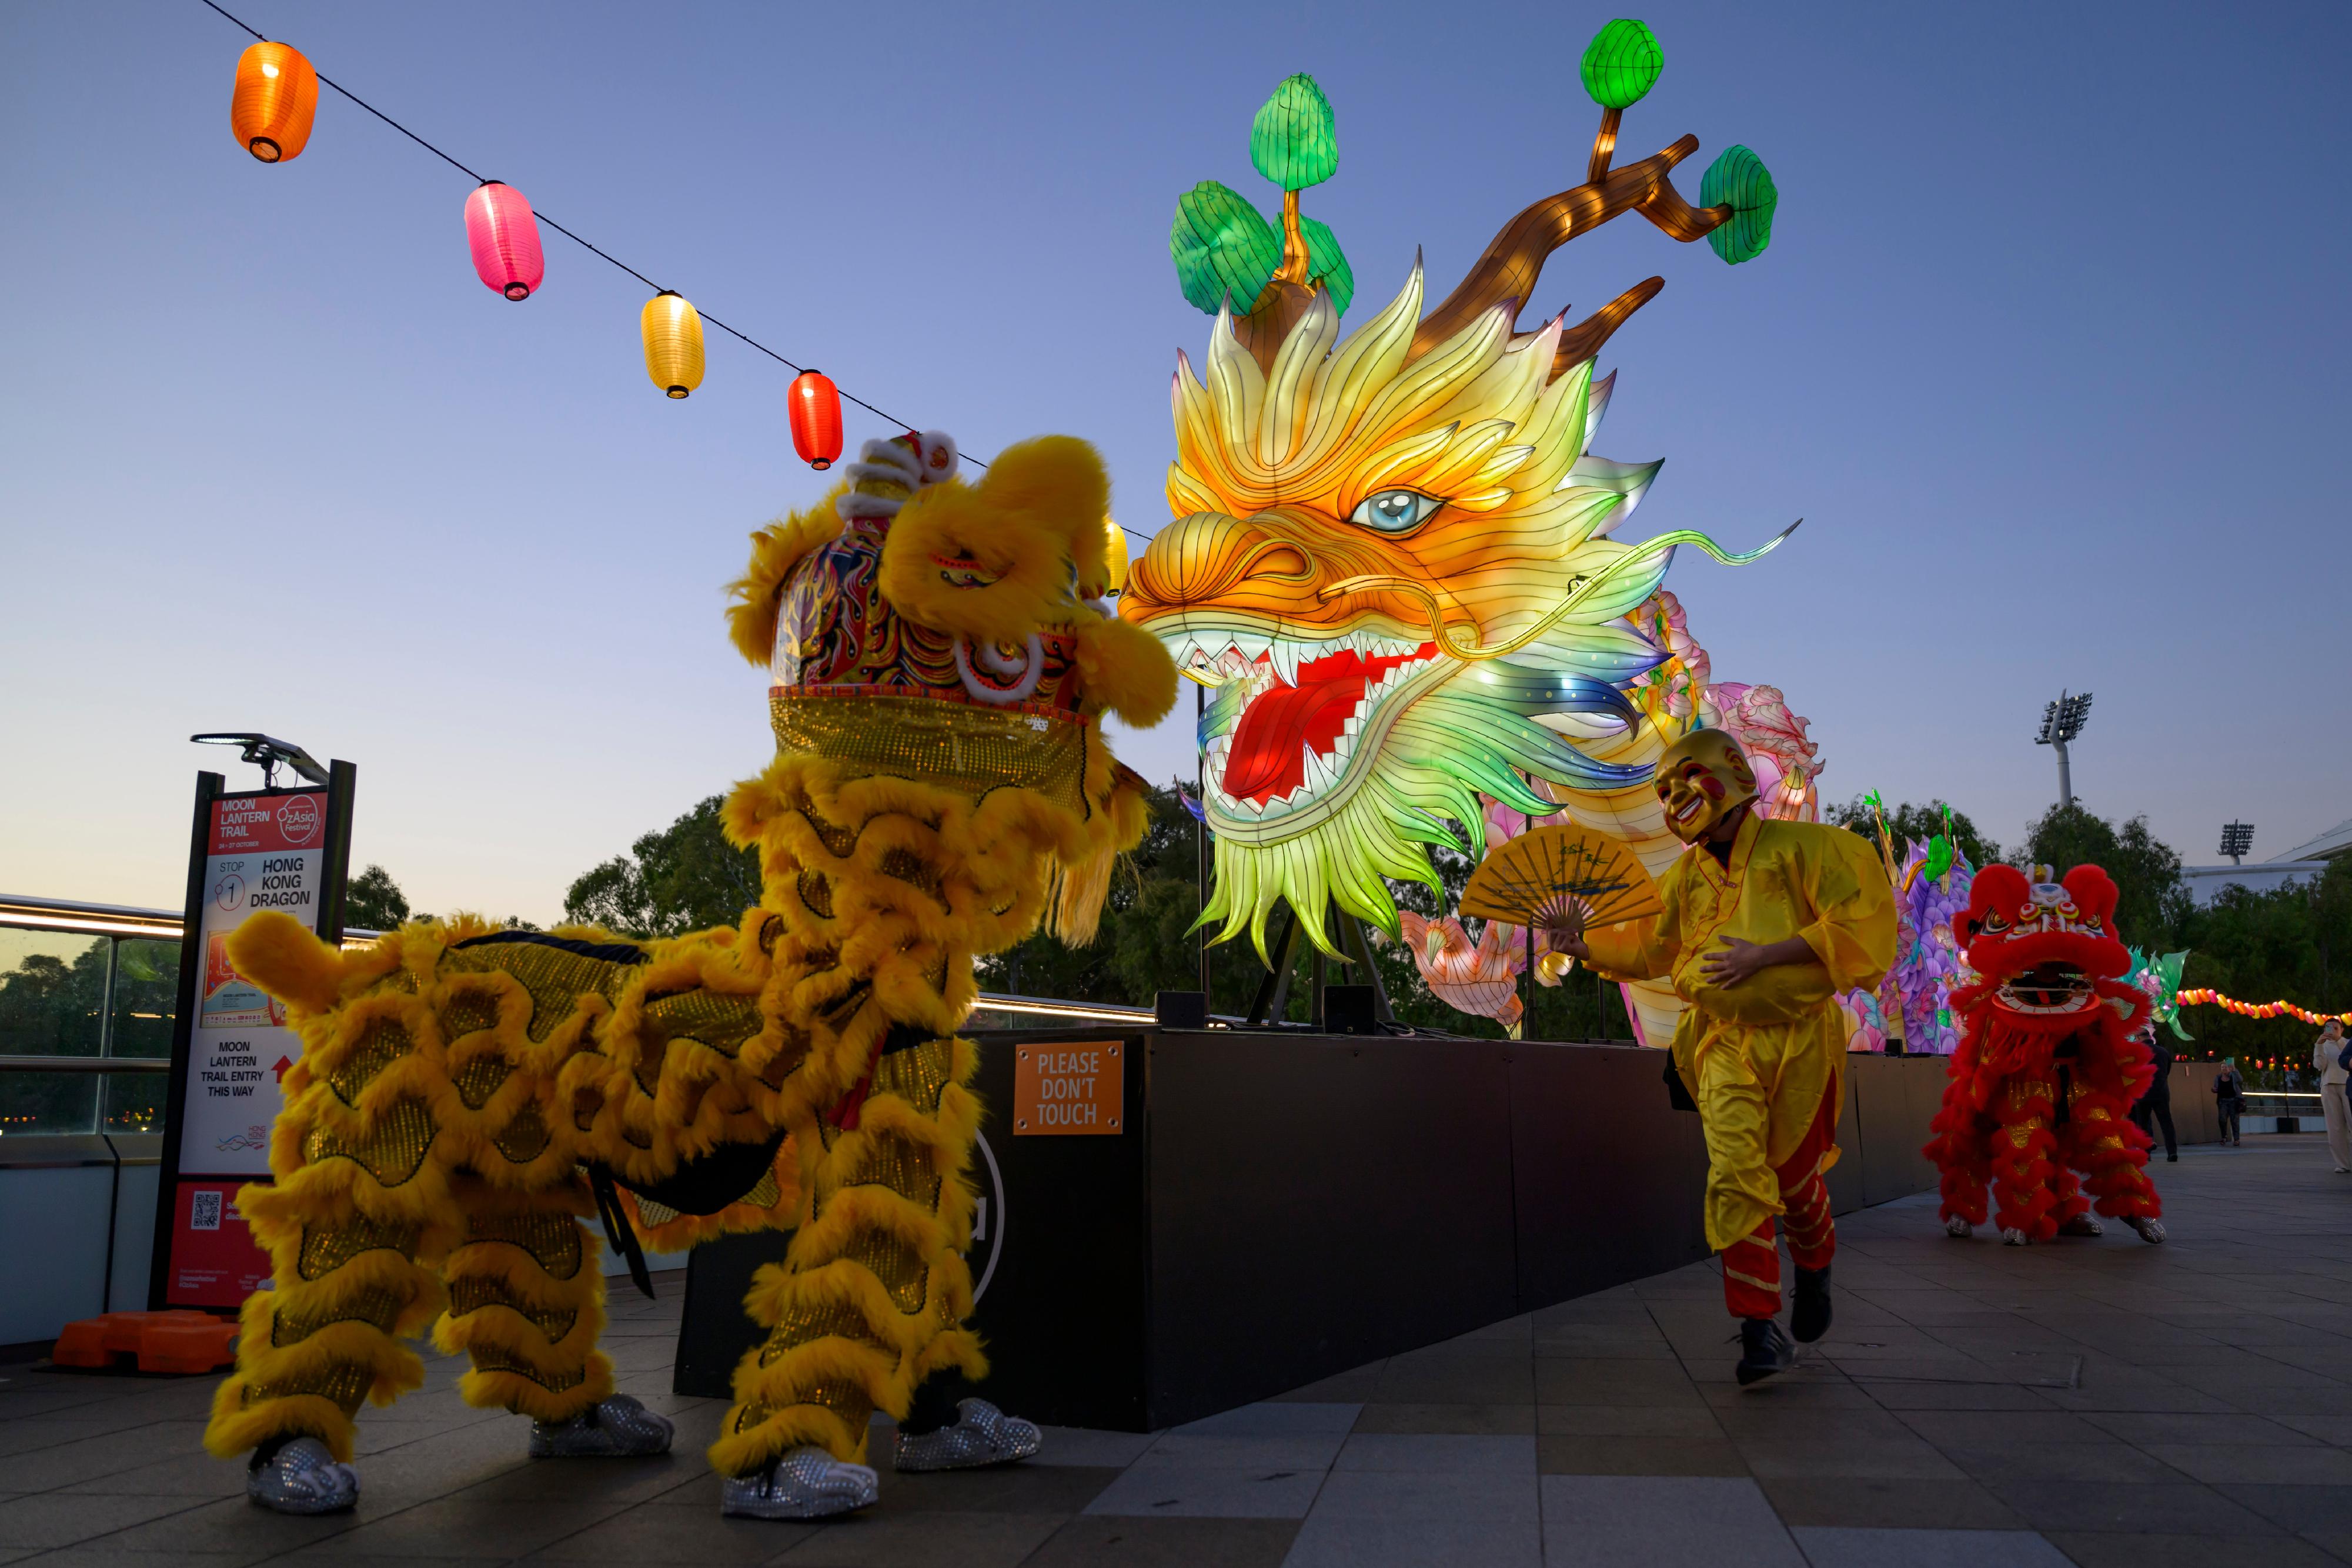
{"type": "Point", "coordinates": [2065, 781]}
{"type": "Point", "coordinates": [1528, 984]}
{"type": "Point", "coordinates": [1321, 972]}
{"type": "Point", "coordinates": [1201, 833]}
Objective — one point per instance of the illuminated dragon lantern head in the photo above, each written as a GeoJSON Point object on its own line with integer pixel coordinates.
{"type": "Point", "coordinates": [1391, 558]}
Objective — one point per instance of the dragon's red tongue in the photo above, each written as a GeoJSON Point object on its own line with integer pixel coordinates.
{"type": "Point", "coordinates": [1279, 725]}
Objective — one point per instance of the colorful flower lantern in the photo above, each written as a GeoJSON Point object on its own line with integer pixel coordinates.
{"type": "Point", "coordinates": [816, 419]}
{"type": "Point", "coordinates": [277, 93]}
{"type": "Point", "coordinates": [672, 334]}
{"type": "Point", "coordinates": [504, 238]}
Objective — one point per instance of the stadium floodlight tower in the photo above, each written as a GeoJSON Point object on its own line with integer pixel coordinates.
{"type": "Point", "coordinates": [2237, 840]}
{"type": "Point", "coordinates": [2061, 721]}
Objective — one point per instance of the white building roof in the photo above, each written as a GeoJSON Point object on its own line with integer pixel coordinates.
{"type": "Point", "coordinates": [2335, 842]}
{"type": "Point", "coordinates": [2203, 882]}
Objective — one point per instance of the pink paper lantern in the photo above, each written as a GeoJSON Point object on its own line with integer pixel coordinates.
{"type": "Point", "coordinates": [505, 240]}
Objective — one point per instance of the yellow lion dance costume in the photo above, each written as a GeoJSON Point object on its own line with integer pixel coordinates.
{"type": "Point", "coordinates": [940, 654]}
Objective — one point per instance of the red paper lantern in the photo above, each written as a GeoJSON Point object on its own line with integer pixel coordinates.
{"type": "Point", "coordinates": [816, 419]}
{"type": "Point", "coordinates": [504, 237]}
{"type": "Point", "coordinates": [277, 93]}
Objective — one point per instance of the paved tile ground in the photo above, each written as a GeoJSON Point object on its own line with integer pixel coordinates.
{"type": "Point", "coordinates": [2093, 1402]}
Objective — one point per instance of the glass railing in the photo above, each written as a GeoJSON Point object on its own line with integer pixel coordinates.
{"type": "Point", "coordinates": [86, 1002]}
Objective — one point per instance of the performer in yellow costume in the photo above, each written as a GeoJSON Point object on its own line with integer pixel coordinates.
{"type": "Point", "coordinates": [941, 655]}
{"type": "Point", "coordinates": [1763, 924]}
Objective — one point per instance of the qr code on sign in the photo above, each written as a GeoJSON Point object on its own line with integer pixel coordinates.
{"type": "Point", "coordinates": [205, 1210]}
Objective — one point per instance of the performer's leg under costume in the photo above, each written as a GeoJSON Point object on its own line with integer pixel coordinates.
{"type": "Point", "coordinates": [1962, 1150]}
{"type": "Point", "coordinates": [870, 1300]}
{"type": "Point", "coordinates": [2023, 1167]}
{"type": "Point", "coordinates": [527, 1303]}
{"type": "Point", "coordinates": [369, 1215]}
{"type": "Point", "coordinates": [1752, 1266]}
{"type": "Point", "coordinates": [2112, 1156]}
{"type": "Point", "coordinates": [1753, 1083]}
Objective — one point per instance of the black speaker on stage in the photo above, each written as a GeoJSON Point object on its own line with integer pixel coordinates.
{"type": "Point", "coordinates": [1349, 1009]}
{"type": "Point", "coordinates": [714, 1331]}
{"type": "Point", "coordinates": [1180, 1009]}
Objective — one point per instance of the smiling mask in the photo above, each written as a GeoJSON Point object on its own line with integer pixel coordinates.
{"type": "Point", "coordinates": [1703, 778]}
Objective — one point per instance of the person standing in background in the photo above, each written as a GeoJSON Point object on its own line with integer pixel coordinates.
{"type": "Point", "coordinates": [2327, 1059]}
{"type": "Point", "coordinates": [2230, 1099]}
{"type": "Point", "coordinates": [2154, 1108]}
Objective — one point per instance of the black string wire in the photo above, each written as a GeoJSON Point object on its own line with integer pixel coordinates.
{"type": "Point", "coordinates": [593, 250]}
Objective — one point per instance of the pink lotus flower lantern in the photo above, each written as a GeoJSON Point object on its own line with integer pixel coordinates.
{"type": "Point", "coordinates": [504, 237]}
{"type": "Point", "coordinates": [1760, 720]}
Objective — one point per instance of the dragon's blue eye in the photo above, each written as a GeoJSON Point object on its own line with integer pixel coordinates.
{"type": "Point", "coordinates": [1395, 511]}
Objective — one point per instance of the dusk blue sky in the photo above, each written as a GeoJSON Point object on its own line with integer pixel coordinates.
{"type": "Point", "coordinates": [2048, 351]}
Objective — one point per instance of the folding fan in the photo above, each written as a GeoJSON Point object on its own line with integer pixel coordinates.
{"type": "Point", "coordinates": [1539, 877]}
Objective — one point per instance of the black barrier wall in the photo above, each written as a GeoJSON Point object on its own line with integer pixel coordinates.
{"type": "Point", "coordinates": [1279, 1207]}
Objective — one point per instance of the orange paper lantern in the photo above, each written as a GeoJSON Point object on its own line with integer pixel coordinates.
{"type": "Point", "coordinates": [277, 93]}
{"type": "Point", "coordinates": [815, 405]}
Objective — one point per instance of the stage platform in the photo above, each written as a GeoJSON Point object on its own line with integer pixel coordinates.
{"type": "Point", "coordinates": [1273, 1209]}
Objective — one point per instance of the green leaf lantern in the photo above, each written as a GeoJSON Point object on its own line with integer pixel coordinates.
{"type": "Point", "coordinates": [1327, 264]}
{"type": "Point", "coordinates": [1740, 179]}
{"type": "Point", "coordinates": [1621, 63]}
{"type": "Point", "coordinates": [1940, 858]}
{"type": "Point", "coordinates": [1221, 247]}
{"type": "Point", "coordinates": [1293, 141]}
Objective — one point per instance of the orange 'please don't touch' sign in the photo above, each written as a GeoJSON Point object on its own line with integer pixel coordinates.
{"type": "Point", "coordinates": [1074, 1089]}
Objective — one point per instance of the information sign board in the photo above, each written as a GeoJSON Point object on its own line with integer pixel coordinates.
{"type": "Point", "coordinates": [286, 849]}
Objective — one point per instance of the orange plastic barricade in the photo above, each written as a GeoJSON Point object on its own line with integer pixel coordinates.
{"type": "Point", "coordinates": [182, 1342]}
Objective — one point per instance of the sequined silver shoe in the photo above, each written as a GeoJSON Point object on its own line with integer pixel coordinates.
{"type": "Point", "coordinates": [302, 1477]}
{"type": "Point", "coordinates": [807, 1483]}
{"type": "Point", "coordinates": [2082, 1225]}
{"type": "Point", "coordinates": [613, 1428]}
{"type": "Point", "coordinates": [2151, 1230]}
{"type": "Point", "coordinates": [2011, 1236]}
{"type": "Point", "coordinates": [980, 1436]}
{"type": "Point", "coordinates": [1957, 1228]}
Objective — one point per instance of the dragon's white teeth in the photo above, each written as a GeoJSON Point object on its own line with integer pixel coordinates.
{"type": "Point", "coordinates": [1353, 728]}
{"type": "Point", "coordinates": [1314, 775]}
{"type": "Point", "coordinates": [1284, 655]}
{"type": "Point", "coordinates": [1251, 644]}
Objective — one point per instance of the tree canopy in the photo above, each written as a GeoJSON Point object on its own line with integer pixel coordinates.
{"type": "Point", "coordinates": [373, 901]}
{"type": "Point", "coordinates": [684, 877]}
{"type": "Point", "coordinates": [1908, 821]}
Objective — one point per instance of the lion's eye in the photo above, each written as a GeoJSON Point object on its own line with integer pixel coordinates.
{"type": "Point", "coordinates": [1393, 511]}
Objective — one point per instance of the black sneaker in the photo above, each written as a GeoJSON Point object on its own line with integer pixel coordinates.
{"type": "Point", "coordinates": [1764, 1349]}
{"type": "Point", "coordinates": [1809, 1307]}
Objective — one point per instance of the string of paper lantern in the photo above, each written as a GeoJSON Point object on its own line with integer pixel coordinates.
{"type": "Point", "coordinates": [271, 109]}
{"type": "Point", "coordinates": [2263, 1010]}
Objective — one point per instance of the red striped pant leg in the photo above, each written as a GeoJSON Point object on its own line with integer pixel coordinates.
{"type": "Point", "coordinates": [1805, 1194]}
{"type": "Point", "coordinates": [1751, 1274]}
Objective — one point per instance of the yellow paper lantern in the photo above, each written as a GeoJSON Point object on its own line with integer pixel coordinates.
{"type": "Point", "coordinates": [672, 334]}
{"type": "Point", "coordinates": [276, 95]}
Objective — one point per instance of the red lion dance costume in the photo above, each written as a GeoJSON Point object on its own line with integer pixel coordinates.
{"type": "Point", "coordinates": [2048, 1065]}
